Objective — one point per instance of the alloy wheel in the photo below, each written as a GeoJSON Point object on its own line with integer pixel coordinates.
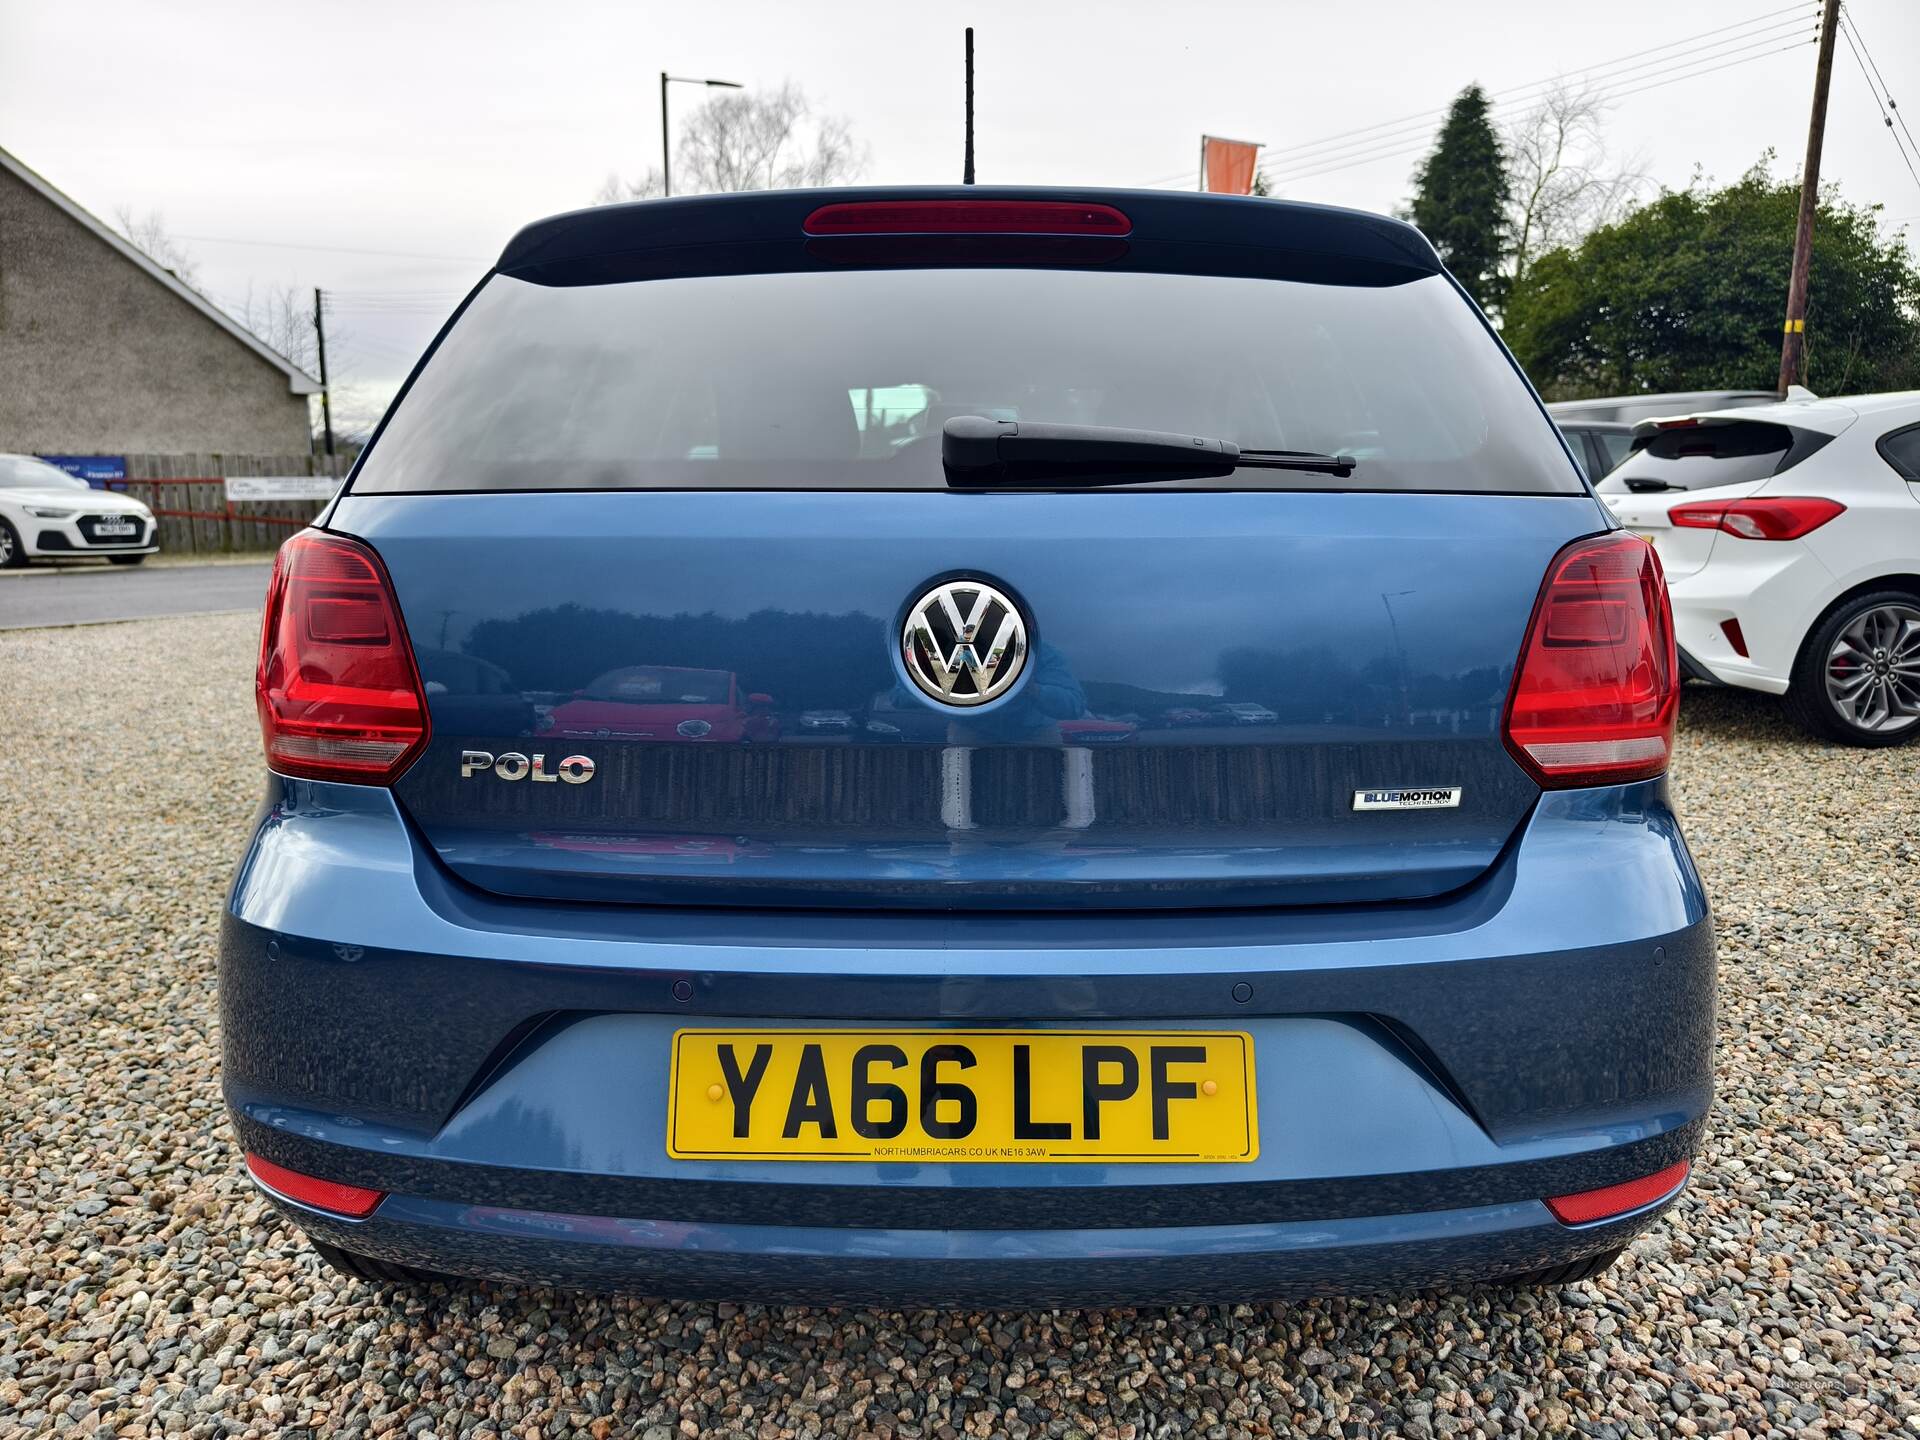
{"type": "Point", "coordinates": [1873, 669]}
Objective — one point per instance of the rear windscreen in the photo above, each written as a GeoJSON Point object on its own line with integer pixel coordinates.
{"type": "Point", "coordinates": [842, 380]}
{"type": "Point", "coordinates": [1700, 457]}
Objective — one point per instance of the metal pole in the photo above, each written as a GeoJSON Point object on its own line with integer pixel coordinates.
{"type": "Point", "coordinates": [1793, 340]}
{"type": "Point", "coordinates": [326, 396]}
{"type": "Point", "coordinates": [966, 172]}
{"type": "Point", "coordinates": [666, 164]}
{"type": "Point", "coordinates": [1203, 163]}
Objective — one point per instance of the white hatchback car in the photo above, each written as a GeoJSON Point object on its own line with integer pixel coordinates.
{"type": "Point", "coordinates": [47, 514]}
{"type": "Point", "coordinates": [1790, 535]}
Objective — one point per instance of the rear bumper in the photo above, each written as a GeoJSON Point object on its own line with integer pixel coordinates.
{"type": "Point", "coordinates": [1427, 1072]}
{"type": "Point", "coordinates": [1774, 590]}
{"type": "Point", "coordinates": [828, 1265]}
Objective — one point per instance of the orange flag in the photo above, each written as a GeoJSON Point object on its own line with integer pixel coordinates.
{"type": "Point", "coordinates": [1227, 166]}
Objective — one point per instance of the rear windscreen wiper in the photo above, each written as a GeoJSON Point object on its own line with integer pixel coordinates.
{"type": "Point", "coordinates": [982, 452]}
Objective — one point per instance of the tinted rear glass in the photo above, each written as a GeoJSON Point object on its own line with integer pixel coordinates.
{"type": "Point", "coordinates": [1616, 445]}
{"type": "Point", "coordinates": [843, 379]}
{"type": "Point", "coordinates": [1902, 449]}
{"type": "Point", "coordinates": [1698, 458]}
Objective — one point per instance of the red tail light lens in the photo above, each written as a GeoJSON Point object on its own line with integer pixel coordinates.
{"type": "Point", "coordinates": [353, 1201]}
{"type": "Point", "coordinates": [1779, 517]}
{"type": "Point", "coordinates": [338, 693]}
{"type": "Point", "coordinates": [1591, 1205]}
{"type": "Point", "coordinates": [967, 217]}
{"type": "Point", "coordinates": [1594, 699]}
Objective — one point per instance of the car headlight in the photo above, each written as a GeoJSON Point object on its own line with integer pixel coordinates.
{"type": "Point", "coordinates": [47, 512]}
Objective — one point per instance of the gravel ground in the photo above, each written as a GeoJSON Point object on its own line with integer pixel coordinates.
{"type": "Point", "coordinates": [144, 1289]}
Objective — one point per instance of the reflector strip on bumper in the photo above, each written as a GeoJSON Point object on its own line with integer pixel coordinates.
{"type": "Point", "coordinates": [1613, 1200]}
{"type": "Point", "coordinates": [352, 1201]}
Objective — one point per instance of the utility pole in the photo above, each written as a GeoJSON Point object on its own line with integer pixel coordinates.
{"type": "Point", "coordinates": [966, 171]}
{"type": "Point", "coordinates": [666, 158]}
{"type": "Point", "coordinates": [326, 396]}
{"type": "Point", "coordinates": [1793, 340]}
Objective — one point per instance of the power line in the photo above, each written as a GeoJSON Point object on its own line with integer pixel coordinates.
{"type": "Point", "coordinates": [1403, 149]}
{"type": "Point", "coordinates": [1883, 105]}
{"type": "Point", "coordinates": [1366, 135]}
{"type": "Point", "coordinates": [1694, 65]}
{"type": "Point", "coordinates": [1886, 119]}
{"type": "Point", "coordinates": [333, 249]}
{"type": "Point", "coordinates": [1385, 139]}
{"type": "Point", "coordinates": [1854, 26]}
{"type": "Point", "coordinates": [1608, 71]}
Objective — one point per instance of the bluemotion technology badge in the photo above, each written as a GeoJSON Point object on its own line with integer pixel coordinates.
{"type": "Point", "coordinates": [1438, 797]}
{"type": "Point", "coordinates": [964, 643]}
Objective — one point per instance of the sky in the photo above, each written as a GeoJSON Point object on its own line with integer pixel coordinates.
{"type": "Point", "coordinates": [386, 151]}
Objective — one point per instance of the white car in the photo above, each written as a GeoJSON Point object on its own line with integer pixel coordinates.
{"type": "Point", "coordinates": [45, 513]}
{"type": "Point", "coordinates": [1790, 537]}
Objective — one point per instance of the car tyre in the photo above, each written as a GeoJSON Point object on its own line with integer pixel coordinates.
{"type": "Point", "coordinates": [1548, 1277]}
{"type": "Point", "coordinates": [13, 554]}
{"type": "Point", "coordinates": [377, 1272]}
{"type": "Point", "coordinates": [125, 559]}
{"type": "Point", "coordinates": [1809, 701]}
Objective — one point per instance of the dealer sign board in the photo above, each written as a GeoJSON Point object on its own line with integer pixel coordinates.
{"type": "Point", "coordinates": [102, 472]}
{"type": "Point", "coordinates": [281, 487]}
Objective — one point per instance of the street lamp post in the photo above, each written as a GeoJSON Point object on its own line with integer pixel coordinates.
{"type": "Point", "coordinates": [666, 149]}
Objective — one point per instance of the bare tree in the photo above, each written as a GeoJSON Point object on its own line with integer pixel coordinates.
{"type": "Point", "coordinates": [282, 317]}
{"type": "Point", "coordinates": [753, 140]}
{"type": "Point", "coordinates": [1562, 182]}
{"type": "Point", "coordinates": [149, 235]}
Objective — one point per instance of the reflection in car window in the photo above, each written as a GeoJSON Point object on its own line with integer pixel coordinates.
{"type": "Point", "coordinates": [662, 685]}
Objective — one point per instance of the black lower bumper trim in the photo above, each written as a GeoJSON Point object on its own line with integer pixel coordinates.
{"type": "Point", "coordinates": [953, 1207]}
{"type": "Point", "coordinates": [1692, 669]}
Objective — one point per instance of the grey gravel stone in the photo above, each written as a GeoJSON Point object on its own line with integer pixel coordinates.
{"type": "Point", "coordinates": [145, 1290]}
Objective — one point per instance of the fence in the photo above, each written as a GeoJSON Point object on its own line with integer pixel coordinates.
{"type": "Point", "coordinates": [188, 496]}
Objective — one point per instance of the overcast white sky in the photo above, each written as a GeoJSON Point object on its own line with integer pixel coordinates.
{"type": "Point", "coordinates": [318, 132]}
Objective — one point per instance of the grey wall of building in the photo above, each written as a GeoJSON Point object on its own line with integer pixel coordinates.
{"type": "Point", "coordinates": [97, 358]}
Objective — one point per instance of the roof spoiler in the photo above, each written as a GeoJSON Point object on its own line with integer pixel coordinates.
{"type": "Point", "coordinates": [586, 240]}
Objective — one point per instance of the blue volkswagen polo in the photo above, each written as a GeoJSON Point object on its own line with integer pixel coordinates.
{"type": "Point", "coordinates": [1240, 863]}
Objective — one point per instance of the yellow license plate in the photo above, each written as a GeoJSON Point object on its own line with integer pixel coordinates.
{"type": "Point", "coordinates": [962, 1096]}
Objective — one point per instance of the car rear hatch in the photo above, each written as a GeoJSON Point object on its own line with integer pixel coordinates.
{"type": "Point", "coordinates": [1732, 455]}
{"type": "Point", "coordinates": [649, 504]}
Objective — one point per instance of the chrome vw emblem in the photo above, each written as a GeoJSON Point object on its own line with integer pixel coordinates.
{"type": "Point", "coordinates": [964, 642]}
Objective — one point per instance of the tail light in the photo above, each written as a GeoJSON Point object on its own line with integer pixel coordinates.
{"type": "Point", "coordinates": [353, 1201]}
{"type": "Point", "coordinates": [338, 693]}
{"type": "Point", "coordinates": [1604, 1204]}
{"type": "Point", "coordinates": [1598, 686]}
{"type": "Point", "coordinates": [1778, 517]}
